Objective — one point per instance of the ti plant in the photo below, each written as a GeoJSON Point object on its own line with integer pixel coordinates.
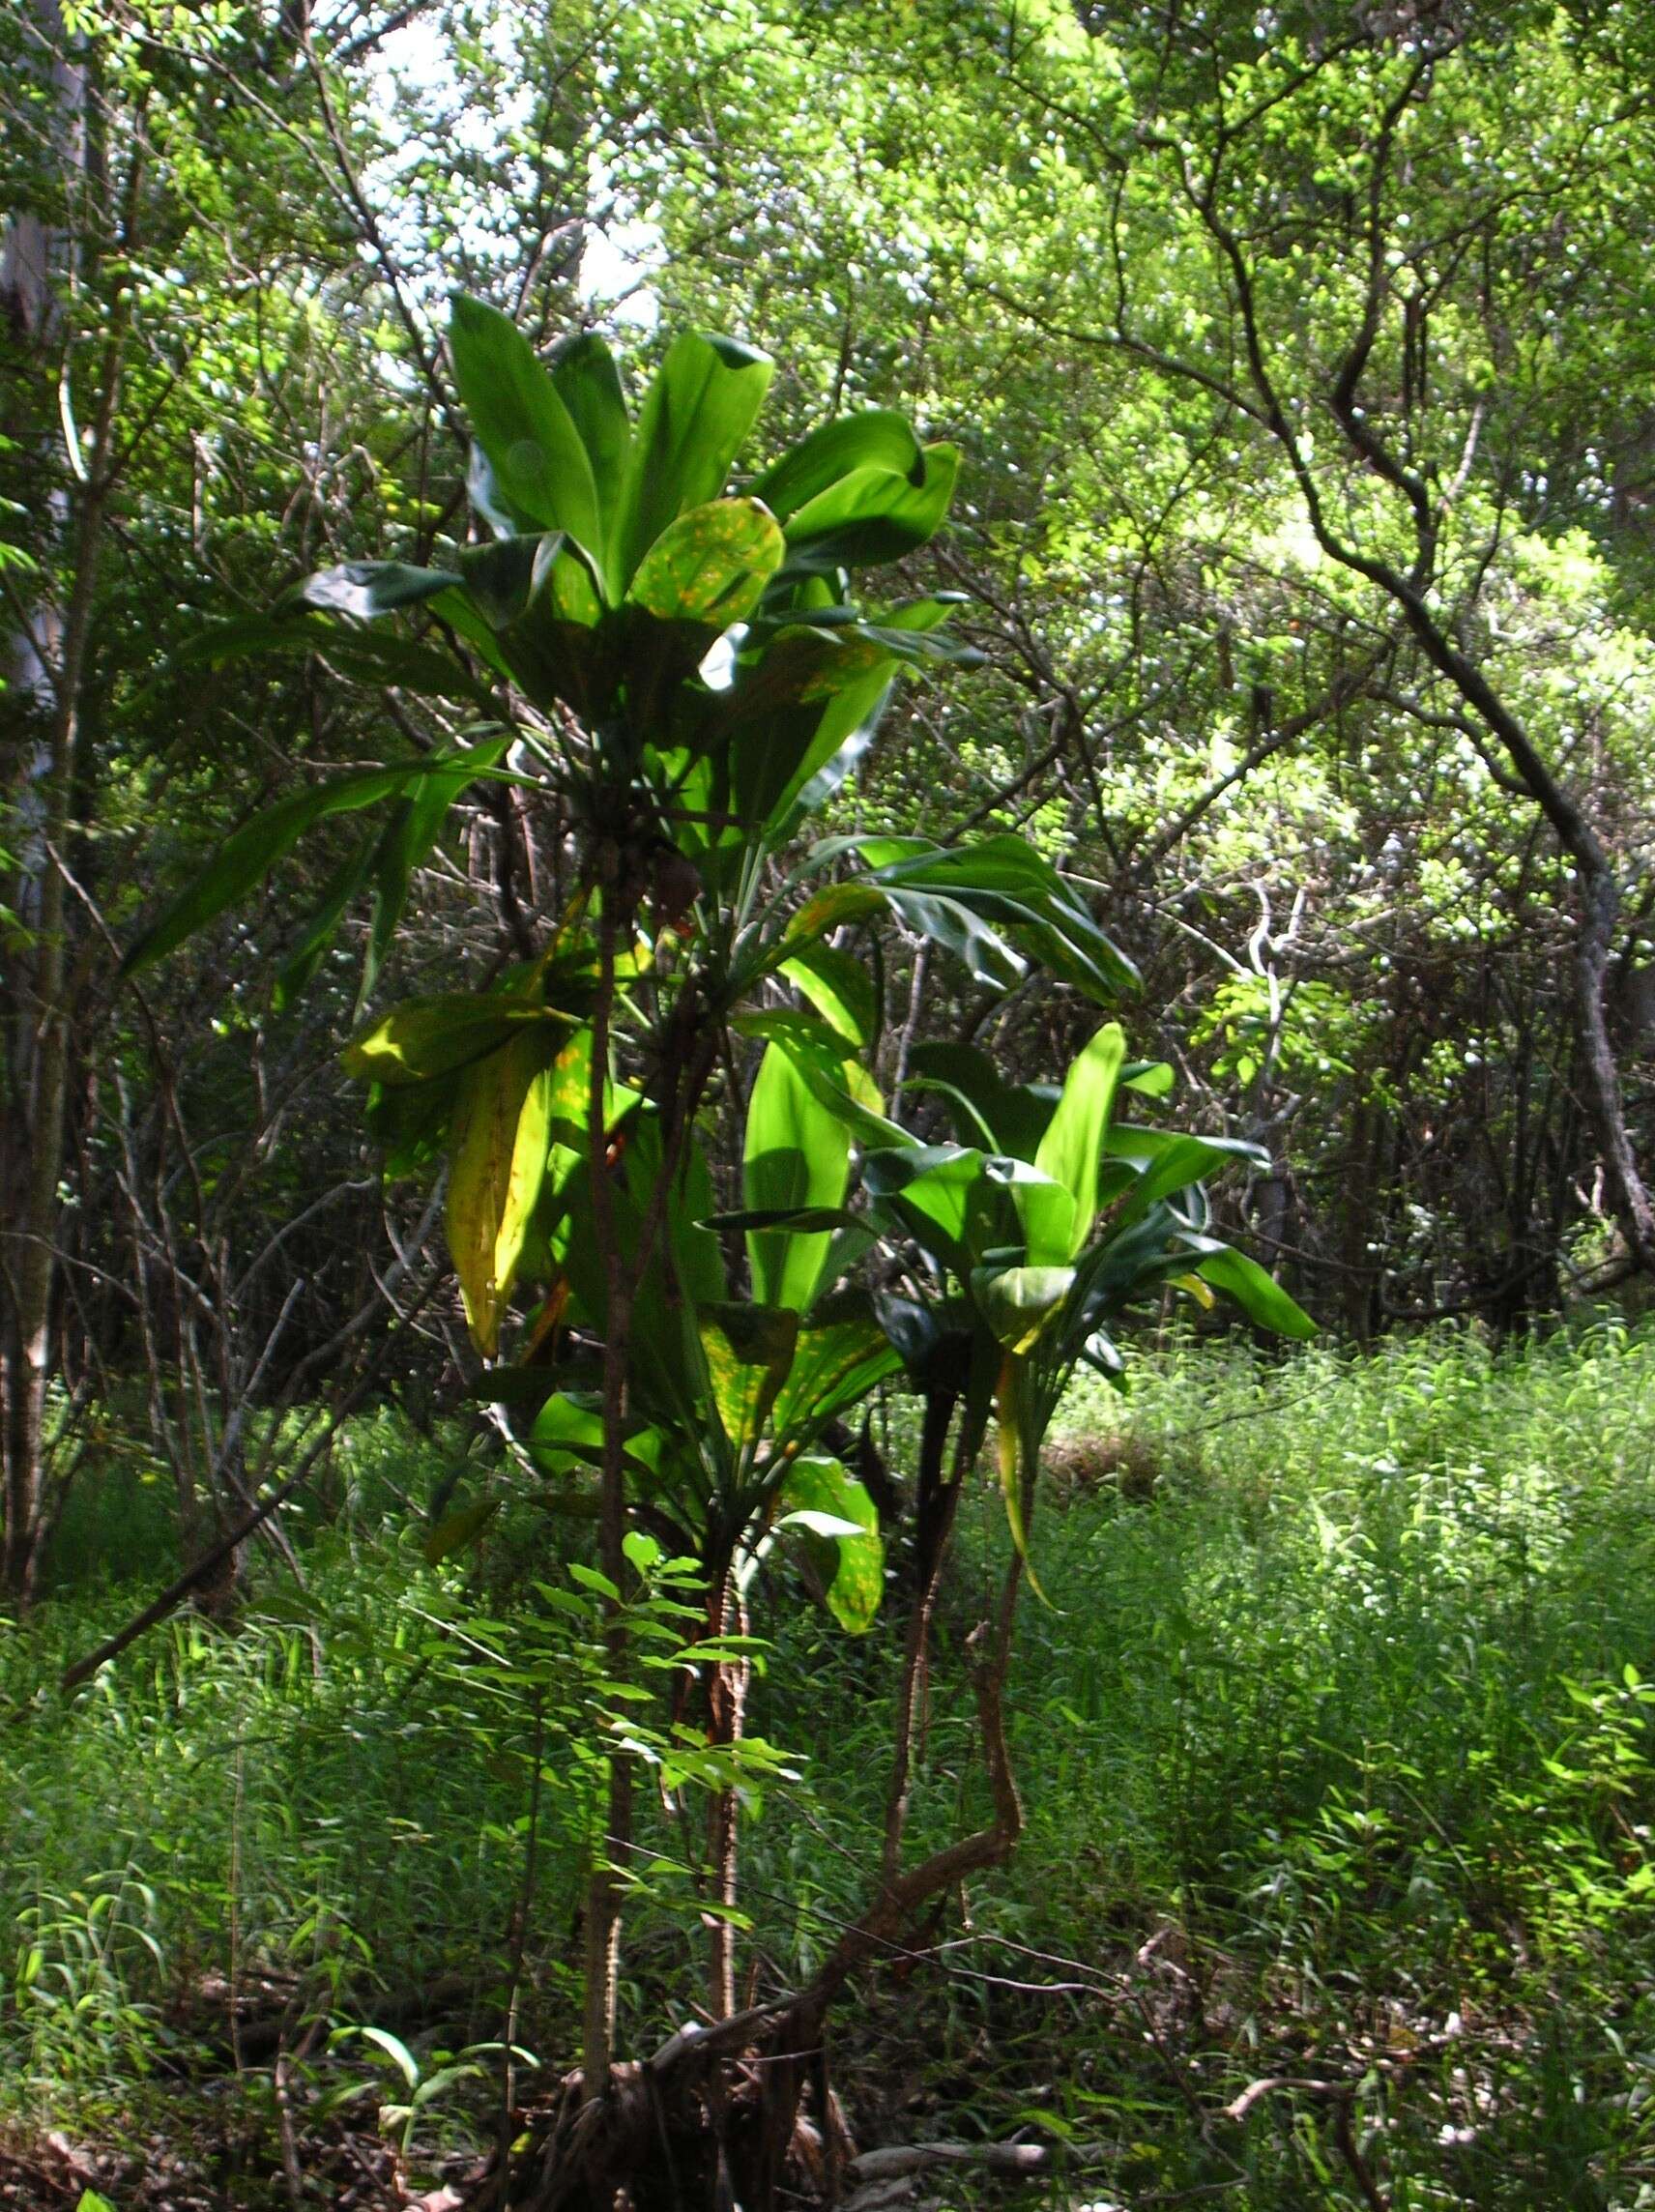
{"type": "Point", "coordinates": [667, 666]}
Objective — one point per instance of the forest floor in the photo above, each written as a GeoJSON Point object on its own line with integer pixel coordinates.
{"type": "Point", "coordinates": [1335, 1746]}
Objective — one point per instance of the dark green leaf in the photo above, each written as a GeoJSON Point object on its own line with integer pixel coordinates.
{"type": "Point", "coordinates": [519, 418]}
{"type": "Point", "coordinates": [696, 414]}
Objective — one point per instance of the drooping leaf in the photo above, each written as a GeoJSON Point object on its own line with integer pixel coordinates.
{"type": "Point", "coordinates": [1258, 1295]}
{"type": "Point", "coordinates": [498, 1158]}
{"type": "Point", "coordinates": [246, 857]}
{"type": "Point", "coordinates": [366, 589]}
{"type": "Point", "coordinates": [519, 418]}
{"type": "Point", "coordinates": [841, 989]}
{"type": "Point", "coordinates": [424, 1037]}
{"type": "Point", "coordinates": [872, 515]}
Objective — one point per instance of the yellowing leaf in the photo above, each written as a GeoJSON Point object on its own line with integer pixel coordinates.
{"type": "Point", "coordinates": [498, 1159]}
{"type": "Point", "coordinates": [709, 567]}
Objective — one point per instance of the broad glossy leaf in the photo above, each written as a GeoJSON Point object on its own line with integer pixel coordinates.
{"type": "Point", "coordinates": [589, 384]}
{"type": "Point", "coordinates": [851, 1096]}
{"type": "Point", "coordinates": [244, 858]}
{"type": "Point", "coordinates": [928, 1188]}
{"type": "Point", "coordinates": [873, 439]}
{"type": "Point", "coordinates": [1004, 882]}
{"type": "Point", "coordinates": [841, 989]}
{"type": "Point", "coordinates": [1153, 1078]}
{"type": "Point", "coordinates": [1018, 1302]}
{"type": "Point", "coordinates": [1181, 1163]}
{"type": "Point", "coordinates": [694, 419]}
{"type": "Point", "coordinates": [1071, 1151]}
{"type": "Point", "coordinates": [835, 1366]}
{"type": "Point", "coordinates": [822, 1489]}
{"type": "Point", "coordinates": [1022, 1203]}
{"type": "Point", "coordinates": [498, 1158]}
{"type": "Point", "coordinates": [748, 1350]}
{"type": "Point", "coordinates": [709, 567]}
{"type": "Point", "coordinates": [957, 928]}
{"type": "Point", "coordinates": [1260, 1296]}
{"type": "Point", "coordinates": [831, 909]}
{"type": "Point", "coordinates": [426, 1038]}
{"type": "Point", "coordinates": [872, 515]}
{"type": "Point", "coordinates": [796, 1153]}
{"type": "Point", "coordinates": [365, 589]}
{"type": "Point", "coordinates": [538, 457]}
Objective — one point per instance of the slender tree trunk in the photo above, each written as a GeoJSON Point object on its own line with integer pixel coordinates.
{"type": "Point", "coordinates": [50, 665]}
{"type": "Point", "coordinates": [603, 1885]}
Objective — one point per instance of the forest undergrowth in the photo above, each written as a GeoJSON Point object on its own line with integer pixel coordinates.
{"type": "Point", "coordinates": [1335, 1747]}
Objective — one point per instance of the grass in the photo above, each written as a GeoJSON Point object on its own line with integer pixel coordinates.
{"type": "Point", "coordinates": [1335, 1747]}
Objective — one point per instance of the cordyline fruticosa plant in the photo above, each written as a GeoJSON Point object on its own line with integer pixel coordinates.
{"type": "Point", "coordinates": [675, 677]}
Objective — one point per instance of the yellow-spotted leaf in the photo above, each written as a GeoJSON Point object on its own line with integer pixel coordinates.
{"type": "Point", "coordinates": [709, 567]}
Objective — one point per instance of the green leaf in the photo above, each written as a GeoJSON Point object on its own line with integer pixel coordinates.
{"type": "Point", "coordinates": [459, 1530]}
{"type": "Point", "coordinates": [999, 1115]}
{"type": "Point", "coordinates": [834, 1365]}
{"type": "Point", "coordinates": [365, 656]}
{"type": "Point", "coordinates": [796, 1153]}
{"type": "Point", "coordinates": [588, 385]}
{"type": "Point", "coordinates": [1018, 1302]}
{"type": "Point", "coordinates": [425, 1037]}
{"type": "Point", "coordinates": [841, 989]}
{"type": "Point", "coordinates": [842, 1526]}
{"type": "Point", "coordinates": [711, 565]}
{"type": "Point", "coordinates": [244, 858]}
{"type": "Point", "coordinates": [306, 953]}
{"type": "Point", "coordinates": [1021, 1203]}
{"type": "Point", "coordinates": [394, 2049]}
{"type": "Point", "coordinates": [498, 1143]}
{"type": "Point", "coordinates": [407, 841]}
{"type": "Point", "coordinates": [519, 418]}
{"type": "Point", "coordinates": [872, 515]}
{"type": "Point", "coordinates": [1260, 1296]}
{"type": "Point", "coordinates": [873, 439]}
{"type": "Point", "coordinates": [696, 413]}
{"type": "Point", "coordinates": [1071, 1151]}
{"type": "Point", "coordinates": [366, 589]}
{"type": "Point", "coordinates": [748, 1350]}
{"type": "Point", "coordinates": [929, 1190]}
